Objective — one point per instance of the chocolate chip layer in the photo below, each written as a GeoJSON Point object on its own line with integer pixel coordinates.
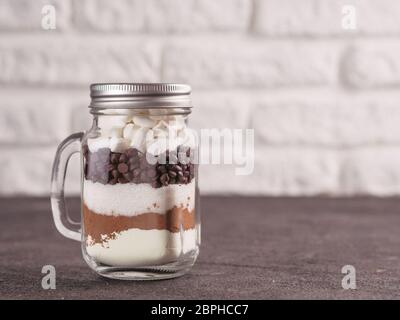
{"type": "Point", "coordinates": [107, 167]}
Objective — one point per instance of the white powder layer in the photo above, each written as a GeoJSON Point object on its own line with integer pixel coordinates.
{"type": "Point", "coordinates": [131, 199]}
{"type": "Point", "coordinates": [136, 247]}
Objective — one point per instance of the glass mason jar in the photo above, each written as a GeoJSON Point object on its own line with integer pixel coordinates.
{"type": "Point", "coordinates": [140, 204]}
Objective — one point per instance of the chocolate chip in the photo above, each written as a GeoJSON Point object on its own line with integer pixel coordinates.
{"type": "Point", "coordinates": [172, 174]}
{"type": "Point", "coordinates": [156, 184]}
{"type": "Point", "coordinates": [123, 168]}
{"type": "Point", "coordinates": [110, 167]}
{"type": "Point", "coordinates": [182, 179]}
{"type": "Point", "coordinates": [151, 172]}
{"type": "Point", "coordinates": [164, 179]}
{"type": "Point", "coordinates": [128, 176]}
{"type": "Point", "coordinates": [115, 173]}
{"type": "Point", "coordinates": [143, 176]}
{"type": "Point", "coordinates": [161, 168]}
{"type": "Point", "coordinates": [113, 181]}
{"type": "Point", "coordinates": [123, 158]}
{"type": "Point", "coordinates": [136, 180]}
{"type": "Point", "coordinates": [114, 158]}
{"type": "Point", "coordinates": [133, 160]}
{"type": "Point", "coordinates": [133, 166]}
{"type": "Point", "coordinates": [132, 153]}
{"type": "Point", "coordinates": [177, 168]}
{"type": "Point", "coordinates": [122, 180]}
{"type": "Point", "coordinates": [136, 172]}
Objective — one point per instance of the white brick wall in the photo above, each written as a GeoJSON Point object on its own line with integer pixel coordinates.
{"type": "Point", "coordinates": [324, 102]}
{"type": "Point", "coordinates": [249, 64]}
{"type": "Point", "coordinates": [324, 18]}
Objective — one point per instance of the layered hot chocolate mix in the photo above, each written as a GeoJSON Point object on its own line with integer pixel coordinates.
{"type": "Point", "coordinates": [135, 211]}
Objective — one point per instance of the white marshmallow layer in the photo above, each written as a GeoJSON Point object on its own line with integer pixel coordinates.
{"type": "Point", "coordinates": [145, 133]}
{"type": "Point", "coordinates": [136, 247]}
{"type": "Point", "coordinates": [131, 199]}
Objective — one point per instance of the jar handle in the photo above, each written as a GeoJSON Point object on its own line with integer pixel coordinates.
{"type": "Point", "coordinates": [64, 224]}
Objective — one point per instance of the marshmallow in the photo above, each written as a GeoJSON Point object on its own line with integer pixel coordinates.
{"type": "Point", "coordinates": [149, 136]}
{"type": "Point", "coordinates": [188, 138]}
{"type": "Point", "coordinates": [115, 132]}
{"type": "Point", "coordinates": [112, 126]}
{"type": "Point", "coordinates": [138, 139]}
{"type": "Point", "coordinates": [144, 122]}
{"type": "Point", "coordinates": [178, 123]}
{"type": "Point", "coordinates": [161, 145]}
{"type": "Point", "coordinates": [130, 130]}
{"type": "Point", "coordinates": [161, 130]}
{"type": "Point", "coordinates": [119, 144]}
{"type": "Point", "coordinates": [98, 143]}
{"type": "Point", "coordinates": [144, 133]}
{"type": "Point", "coordinates": [106, 122]}
{"type": "Point", "coordinates": [157, 146]}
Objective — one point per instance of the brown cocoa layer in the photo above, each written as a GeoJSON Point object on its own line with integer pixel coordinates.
{"type": "Point", "coordinates": [97, 224]}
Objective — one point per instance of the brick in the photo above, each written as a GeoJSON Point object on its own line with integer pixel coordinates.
{"type": "Point", "coordinates": [295, 171]}
{"type": "Point", "coordinates": [197, 15]}
{"type": "Point", "coordinates": [248, 64]}
{"type": "Point", "coordinates": [103, 15]}
{"type": "Point", "coordinates": [32, 121]}
{"type": "Point", "coordinates": [315, 17]}
{"type": "Point", "coordinates": [219, 110]}
{"type": "Point", "coordinates": [26, 15]}
{"type": "Point", "coordinates": [162, 16]}
{"type": "Point", "coordinates": [278, 171]}
{"type": "Point", "coordinates": [327, 121]}
{"type": "Point", "coordinates": [74, 64]}
{"type": "Point", "coordinates": [371, 171]}
{"type": "Point", "coordinates": [369, 65]}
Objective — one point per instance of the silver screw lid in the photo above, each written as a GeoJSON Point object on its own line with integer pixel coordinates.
{"type": "Point", "coordinates": [139, 95]}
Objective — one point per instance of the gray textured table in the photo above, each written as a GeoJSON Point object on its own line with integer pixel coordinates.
{"type": "Point", "coordinates": [252, 248]}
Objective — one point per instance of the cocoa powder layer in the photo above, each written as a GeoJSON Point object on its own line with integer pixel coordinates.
{"type": "Point", "coordinates": [97, 224]}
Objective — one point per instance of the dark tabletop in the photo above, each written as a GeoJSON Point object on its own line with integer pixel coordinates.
{"type": "Point", "coordinates": [258, 248]}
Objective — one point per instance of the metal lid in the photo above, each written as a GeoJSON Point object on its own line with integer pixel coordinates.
{"type": "Point", "coordinates": [139, 95]}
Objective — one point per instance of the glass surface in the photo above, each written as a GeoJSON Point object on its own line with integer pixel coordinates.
{"type": "Point", "coordinates": [140, 206]}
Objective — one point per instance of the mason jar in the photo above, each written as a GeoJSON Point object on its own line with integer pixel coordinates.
{"type": "Point", "coordinates": [140, 214]}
